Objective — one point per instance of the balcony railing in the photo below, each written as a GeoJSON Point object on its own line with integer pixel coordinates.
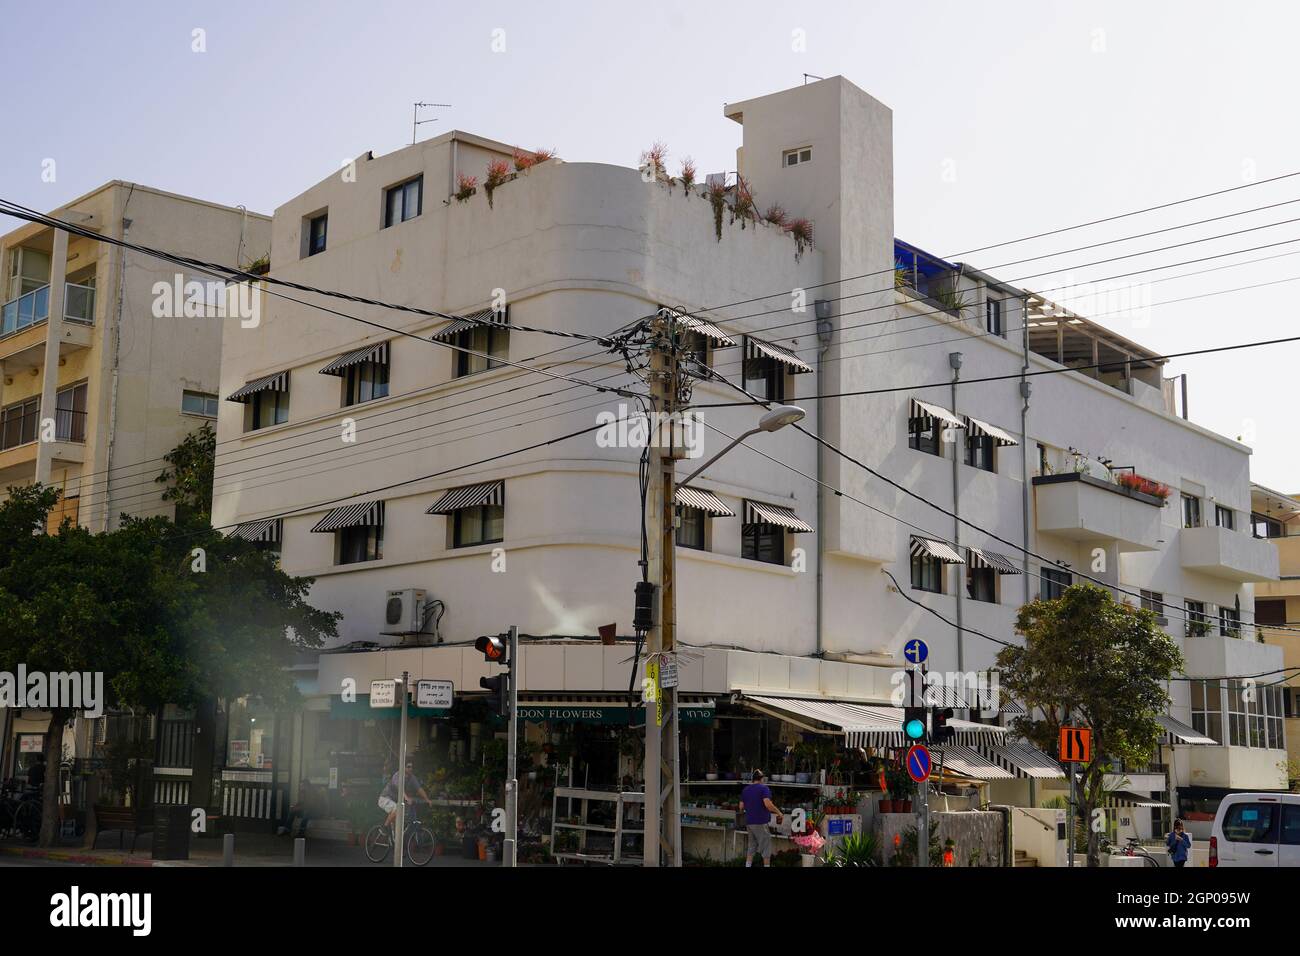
{"type": "Point", "coordinates": [34, 307]}
{"type": "Point", "coordinates": [69, 426]}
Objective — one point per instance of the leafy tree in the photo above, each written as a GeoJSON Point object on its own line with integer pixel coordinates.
{"type": "Point", "coordinates": [1102, 663]}
{"type": "Point", "coordinates": [188, 475]}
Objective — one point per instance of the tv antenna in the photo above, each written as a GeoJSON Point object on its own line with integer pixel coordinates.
{"type": "Point", "coordinates": [415, 116]}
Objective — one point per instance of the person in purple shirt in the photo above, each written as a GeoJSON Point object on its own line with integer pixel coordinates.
{"type": "Point", "coordinates": [756, 802]}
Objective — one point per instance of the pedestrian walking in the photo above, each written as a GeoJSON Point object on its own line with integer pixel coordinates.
{"type": "Point", "coordinates": [756, 802]}
{"type": "Point", "coordinates": [1179, 843]}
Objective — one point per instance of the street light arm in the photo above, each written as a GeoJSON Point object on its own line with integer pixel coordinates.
{"type": "Point", "coordinates": [735, 441]}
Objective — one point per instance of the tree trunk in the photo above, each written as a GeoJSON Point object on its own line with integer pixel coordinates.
{"type": "Point", "coordinates": [53, 759]}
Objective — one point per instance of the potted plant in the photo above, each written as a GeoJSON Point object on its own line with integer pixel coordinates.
{"type": "Point", "coordinates": [801, 231]}
{"type": "Point", "coordinates": [466, 186]}
{"type": "Point", "coordinates": [688, 174]}
{"type": "Point", "coordinates": [810, 844]}
{"type": "Point", "coordinates": [498, 172]}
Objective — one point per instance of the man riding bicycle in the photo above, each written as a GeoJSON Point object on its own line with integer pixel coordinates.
{"type": "Point", "coordinates": [411, 785]}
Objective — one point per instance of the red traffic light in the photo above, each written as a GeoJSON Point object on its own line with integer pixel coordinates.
{"type": "Point", "coordinates": [492, 648]}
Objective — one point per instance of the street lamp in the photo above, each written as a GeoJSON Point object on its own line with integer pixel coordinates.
{"type": "Point", "coordinates": [776, 419]}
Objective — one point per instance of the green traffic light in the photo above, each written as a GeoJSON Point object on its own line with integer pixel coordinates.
{"type": "Point", "coordinates": [915, 729]}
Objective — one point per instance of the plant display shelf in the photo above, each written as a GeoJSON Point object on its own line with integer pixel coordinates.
{"type": "Point", "coordinates": [586, 796]}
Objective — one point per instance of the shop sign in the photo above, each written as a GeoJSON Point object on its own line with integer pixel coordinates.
{"type": "Point", "coordinates": [603, 714]}
{"type": "Point", "coordinates": [31, 743]}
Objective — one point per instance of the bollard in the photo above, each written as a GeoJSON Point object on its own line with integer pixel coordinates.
{"type": "Point", "coordinates": [300, 851]}
{"type": "Point", "coordinates": [228, 850]}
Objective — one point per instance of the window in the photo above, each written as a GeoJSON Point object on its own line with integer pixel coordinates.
{"type": "Point", "coordinates": [981, 582]}
{"type": "Point", "coordinates": [316, 229]}
{"type": "Point", "coordinates": [1223, 517]}
{"type": "Point", "coordinates": [1275, 698]}
{"type": "Point", "coordinates": [1054, 583]}
{"type": "Point", "coordinates": [691, 529]}
{"type": "Point", "coordinates": [1238, 714]}
{"type": "Point", "coordinates": [927, 573]}
{"type": "Point", "coordinates": [365, 382]}
{"type": "Point", "coordinates": [695, 348]}
{"type": "Point", "coordinates": [1191, 511]}
{"type": "Point", "coordinates": [491, 341]}
{"type": "Point", "coordinates": [763, 542]}
{"type": "Point", "coordinates": [19, 421]}
{"type": "Point", "coordinates": [993, 317]}
{"type": "Point", "coordinates": [793, 157]}
{"type": "Point", "coordinates": [1270, 611]}
{"type": "Point", "coordinates": [1252, 822]}
{"type": "Point", "coordinates": [765, 378]}
{"type": "Point", "coordinates": [362, 543]}
{"type": "Point", "coordinates": [1265, 527]}
{"type": "Point", "coordinates": [1198, 624]}
{"type": "Point", "coordinates": [923, 434]}
{"type": "Point", "coordinates": [70, 414]}
{"type": "Point", "coordinates": [1153, 601]}
{"type": "Point", "coordinates": [1229, 622]}
{"type": "Point", "coordinates": [980, 452]}
{"type": "Point", "coordinates": [1207, 708]}
{"type": "Point", "coordinates": [268, 408]}
{"type": "Point", "coordinates": [1290, 824]}
{"type": "Point", "coordinates": [199, 403]}
{"type": "Point", "coordinates": [403, 201]}
{"type": "Point", "coordinates": [482, 524]}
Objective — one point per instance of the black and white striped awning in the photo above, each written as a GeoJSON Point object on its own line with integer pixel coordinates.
{"type": "Point", "coordinates": [923, 547]}
{"type": "Point", "coordinates": [365, 514]}
{"type": "Point", "coordinates": [1177, 732]}
{"type": "Point", "coordinates": [703, 500]}
{"type": "Point", "coordinates": [1024, 760]}
{"type": "Point", "coordinates": [263, 531]}
{"type": "Point", "coordinates": [757, 349]}
{"type": "Point", "coordinates": [472, 320]}
{"type": "Point", "coordinates": [968, 762]}
{"type": "Point", "coordinates": [983, 558]}
{"type": "Point", "coordinates": [279, 382]}
{"type": "Point", "coordinates": [928, 410]}
{"type": "Point", "coordinates": [1125, 798]}
{"type": "Point", "coordinates": [975, 427]}
{"type": "Point", "coordinates": [706, 329]}
{"type": "Point", "coordinates": [377, 353]}
{"type": "Point", "coordinates": [758, 513]}
{"type": "Point", "coordinates": [471, 496]}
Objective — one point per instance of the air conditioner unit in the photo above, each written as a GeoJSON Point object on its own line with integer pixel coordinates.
{"type": "Point", "coordinates": [404, 611]}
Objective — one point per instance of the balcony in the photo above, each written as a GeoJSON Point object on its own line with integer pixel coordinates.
{"type": "Point", "coordinates": [20, 440]}
{"type": "Point", "coordinates": [22, 321]}
{"type": "Point", "coordinates": [1225, 553]}
{"type": "Point", "coordinates": [1079, 507]}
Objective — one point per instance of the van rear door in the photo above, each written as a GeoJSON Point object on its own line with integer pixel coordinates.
{"type": "Point", "coordinates": [1288, 851]}
{"type": "Point", "coordinates": [1250, 833]}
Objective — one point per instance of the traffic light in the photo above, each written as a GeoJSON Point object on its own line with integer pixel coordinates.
{"type": "Point", "coordinates": [492, 647]}
{"type": "Point", "coordinates": [914, 724]}
{"type": "Point", "coordinates": [500, 688]}
{"type": "Point", "coordinates": [940, 732]}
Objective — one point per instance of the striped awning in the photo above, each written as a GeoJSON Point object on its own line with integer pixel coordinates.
{"type": "Point", "coordinates": [707, 329]}
{"type": "Point", "coordinates": [976, 427]}
{"type": "Point", "coordinates": [279, 382]}
{"type": "Point", "coordinates": [471, 496]}
{"type": "Point", "coordinates": [757, 348]}
{"type": "Point", "coordinates": [922, 409]}
{"type": "Point", "coordinates": [377, 353]}
{"type": "Point", "coordinates": [935, 549]}
{"type": "Point", "coordinates": [1024, 760]}
{"type": "Point", "coordinates": [472, 320]}
{"type": "Point", "coordinates": [1125, 798]}
{"type": "Point", "coordinates": [757, 513]}
{"type": "Point", "coordinates": [983, 558]}
{"type": "Point", "coordinates": [969, 762]}
{"type": "Point", "coordinates": [263, 531]}
{"type": "Point", "coordinates": [364, 514]}
{"type": "Point", "coordinates": [1177, 732]}
{"type": "Point", "coordinates": [704, 501]}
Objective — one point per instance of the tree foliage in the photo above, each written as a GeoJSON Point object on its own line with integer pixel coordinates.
{"type": "Point", "coordinates": [188, 475]}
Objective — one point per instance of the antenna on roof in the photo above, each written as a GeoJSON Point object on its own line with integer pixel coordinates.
{"type": "Point", "coordinates": [415, 116]}
{"type": "Point", "coordinates": [811, 76]}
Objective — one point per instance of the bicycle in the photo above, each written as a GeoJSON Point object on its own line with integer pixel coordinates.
{"type": "Point", "coordinates": [1132, 848]}
{"type": "Point", "coordinates": [20, 813]}
{"type": "Point", "coordinates": [419, 840]}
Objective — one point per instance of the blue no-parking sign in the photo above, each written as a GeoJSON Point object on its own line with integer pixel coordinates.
{"type": "Point", "coordinates": [918, 763]}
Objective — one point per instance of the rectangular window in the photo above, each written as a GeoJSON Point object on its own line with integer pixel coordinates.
{"type": "Point", "coordinates": [927, 573]}
{"type": "Point", "coordinates": [492, 343]}
{"type": "Point", "coordinates": [316, 230]}
{"type": "Point", "coordinates": [1229, 622]}
{"type": "Point", "coordinates": [1191, 511]}
{"type": "Point", "coordinates": [981, 583]}
{"type": "Point", "coordinates": [1275, 699]}
{"type": "Point", "coordinates": [1198, 623]}
{"type": "Point", "coordinates": [1238, 715]}
{"type": "Point", "coordinates": [1252, 822]}
{"type": "Point", "coordinates": [199, 403]}
{"type": "Point", "coordinates": [793, 157]}
{"type": "Point", "coordinates": [365, 382]}
{"type": "Point", "coordinates": [765, 378]}
{"type": "Point", "coordinates": [483, 524]}
{"type": "Point", "coordinates": [403, 201]}
{"type": "Point", "coordinates": [1207, 708]}
{"type": "Point", "coordinates": [695, 348]}
{"type": "Point", "coordinates": [1262, 526]}
{"type": "Point", "coordinates": [763, 542]}
{"type": "Point", "coordinates": [360, 544]}
{"type": "Point", "coordinates": [269, 408]}
{"type": "Point", "coordinates": [70, 414]}
{"type": "Point", "coordinates": [1270, 611]}
{"type": "Point", "coordinates": [1290, 824]}
{"type": "Point", "coordinates": [1223, 517]}
{"type": "Point", "coordinates": [1054, 583]}
{"type": "Point", "coordinates": [691, 530]}
{"type": "Point", "coordinates": [1153, 601]}
{"type": "Point", "coordinates": [993, 317]}
{"type": "Point", "coordinates": [980, 452]}
{"type": "Point", "coordinates": [923, 434]}
{"type": "Point", "coordinates": [20, 420]}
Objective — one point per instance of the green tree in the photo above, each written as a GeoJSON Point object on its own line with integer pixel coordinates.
{"type": "Point", "coordinates": [188, 475]}
{"type": "Point", "coordinates": [1102, 663]}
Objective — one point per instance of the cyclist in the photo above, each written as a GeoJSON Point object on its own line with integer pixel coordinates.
{"type": "Point", "coordinates": [411, 785]}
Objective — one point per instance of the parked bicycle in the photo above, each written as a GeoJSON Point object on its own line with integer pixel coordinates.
{"type": "Point", "coordinates": [419, 840]}
{"type": "Point", "coordinates": [1132, 847]}
{"type": "Point", "coordinates": [20, 812]}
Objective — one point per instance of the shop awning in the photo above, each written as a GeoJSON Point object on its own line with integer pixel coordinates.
{"type": "Point", "coordinates": [365, 514]}
{"type": "Point", "coordinates": [264, 531]}
{"type": "Point", "coordinates": [1123, 798]}
{"type": "Point", "coordinates": [707, 329]}
{"type": "Point", "coordinates": [922, 409]}
{"type": "Point", "coordinates": [471, 320]}
{"type": "Point", "coordinates": [471, 496]}
{"type": "Point", "coordinates": [983, 558]}
{"type": "Point", "coordinates": [935, 549]}
{"type": "Point", "coordinates": [279, 382]}
{"type": "Point", "coordinates": [377, 353]}
{"type": "Point", "coordinates": [968, 762]}
{"type": "Point", "coordinates": [758, 513]}
{"type": "Point", "coordinates": [757, 348]}
{"type": "Point", "coordinates": [703, 500]}
{"type": "Point", "coordinates": [1024, 760]}
{"type": "Point", "coordinates": [976, 427]}
{"type": "Point", "coordinates": [1177, 732]}
{"type": "Point", "coordinates": [863, 725]}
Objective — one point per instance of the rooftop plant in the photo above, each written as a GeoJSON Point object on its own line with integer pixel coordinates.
{"type": "Point", "coordinates": [654, 161]}
{"type": "Point", "coordinates": [742, 206]}
{"type": "Point", "coordinates": [688, 174]}
{"type": "Point", "coordinates": [466, 186]}
{"type": "Point", "coordinates": [801, 230]}
{"type": "Point", "coordinates": [498, 172]}
{"type": "Point", "coordinates": [718, 200]}
{"type": "Point", "coordinates": [776, 215]}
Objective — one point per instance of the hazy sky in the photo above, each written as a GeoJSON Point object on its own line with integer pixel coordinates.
{"type": "Point", "coordinates": [1010, 118]}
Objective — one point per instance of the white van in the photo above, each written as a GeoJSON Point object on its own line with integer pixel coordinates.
{"type": "Point", "coordinates": [1256, 829]}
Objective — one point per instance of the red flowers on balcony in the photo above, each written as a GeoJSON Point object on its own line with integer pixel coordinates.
{"type": "Point", "coordinates": [1140, 483]}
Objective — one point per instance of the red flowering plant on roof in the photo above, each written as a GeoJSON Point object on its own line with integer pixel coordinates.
{"type": "Point", "coordinates": [1140, 483]}
{"type": "Point", "coordinates": [465, 186]}
{"type": "Point", "coordinates": [498, 172]}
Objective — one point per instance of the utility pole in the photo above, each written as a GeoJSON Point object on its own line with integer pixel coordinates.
{"type": "Point", "coordinates": [662, 793]}
{"type": "Point", "coordinates": [400, 840]}
{"type": "Point", "coordinates": [509, 856]}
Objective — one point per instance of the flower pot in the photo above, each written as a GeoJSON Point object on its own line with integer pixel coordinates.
{"type": "Point", "coordinates": [803, 778]}
{"type": "Point", "coordinates": [710, 776]}
{"type": "Point", "coordinates": [903, 806]}
{"type": "Point", "coordinates": [808, 859]}
{"type": "Point", "coordinates": [886, 806]}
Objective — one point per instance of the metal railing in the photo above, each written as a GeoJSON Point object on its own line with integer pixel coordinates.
{"type": "Point", "coordinates": [69, 426]}
{"type": "Point", "coordinates": [33, 308]}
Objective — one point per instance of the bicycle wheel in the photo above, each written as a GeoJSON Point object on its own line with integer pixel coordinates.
{"type": "Point", "coordinates": [378, 843]}
{"type": "Point", "coordinates": [27, 821]}
{"type": "Point", "coordinates": [1151, 860]}
{"type": "Point", "coordinates": [419, 845]}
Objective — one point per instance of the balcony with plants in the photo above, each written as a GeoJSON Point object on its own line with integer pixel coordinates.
{"type": "Point", "coordinates": [929, 279]}
{"type": "Point", "coordinates": [1085, 498]}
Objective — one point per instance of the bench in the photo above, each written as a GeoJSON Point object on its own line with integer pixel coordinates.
{"type": "Point", "coordinates": [121, 819]}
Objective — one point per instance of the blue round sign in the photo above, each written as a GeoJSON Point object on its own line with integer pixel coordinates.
{"type": "Point", "coordinates": [918, 763]}
{"type": "Point", "coordinates": [916, 651]}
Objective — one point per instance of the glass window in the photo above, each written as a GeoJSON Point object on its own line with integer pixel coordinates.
{"type": "Point", "coordinates": [1238, 715]}
{"type": "Point", "coordinates": [269, 408]}
{"type": "Point", "coordinates": [765, 378]}
{"type": "Point", "coordinates": [1262, 526]}
{"type": "Point", "coordinates": [1153, 601]}
{"type": "Point", "coordinates": [690, 532]}
{"type": "Point", "coordinates": [923, 434]}
{"type": "Point", "coordinates": [1252, 822]}
{"type": "Point", "coordinates": [763, 542]}
{"type": "Point", "coordinates": [1191, 511]}
{"type": "Point", "coordinates": [1198, 622]}
{"type": "Point", "coordinates": [793, 157]}
{"type": "Point", "coordinates": [1223, 517]}
{"type": "Point", "coordinates": [993, 317]}
{"type": "Point", "coordinates": [981, 582]}
{"type": "Point", "coordinates": [484, 524]}
{"type": "Point", "coordinates": [1207, 708]}
{"type": "Point", "coordinates": [980, 452]}
{"type": "Point", "coordinates": [1229, 622]}
{"type": "Point", "coordinates": [695, 348]}
{"type": "Point", "coordinates": [364, 543]}
{"type": "Point", "coordinates": [927, 573]}
{"type": "Point", "coordinates": [1275, 698]}
{"type": "Point", "coordinates": [403, 201]}
{"type": "Point", "coordinates": [70, 414]}
{"type": "Point", "coordinates": [316, 230]}
{"type": "Point", "coordinates": [1054, 583]}
{"type": "Point", "coordinates": [19, 423]}
{"type": "Point", "coordinates": [1270, 611]}
{"type": "Point", "coordinates": [492, 343]}
{"type": "Point", "coordinates": [365, 382]}
{"type": "Point", "coordinates": [199, 403]}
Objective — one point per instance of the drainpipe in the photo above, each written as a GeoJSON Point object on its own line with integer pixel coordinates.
{"type": "Point", "coordinates": [117, 349]}
{"type": "Point", "coordinates": [822, 309]}
{"type": "Point", "coordinates": [1024, 439]}
{"type": "Point", "coordinates": [954, 360]}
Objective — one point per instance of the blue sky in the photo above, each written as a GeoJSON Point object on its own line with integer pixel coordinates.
{"type": "Point", "coordinates": [1009, 119]}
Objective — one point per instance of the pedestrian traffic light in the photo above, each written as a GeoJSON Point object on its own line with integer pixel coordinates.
{"type": "Point", "coordinates": [940, 732]}
{"type": "Point", "coordinates": [492, 648]}
{"type": "Point", "coordinates": [499, 699]}
{"type": "Point", "coordinates": [914, 724]}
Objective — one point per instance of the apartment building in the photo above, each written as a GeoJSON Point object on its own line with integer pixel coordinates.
{"type": "Point", "coordinates": [101, 374]}
{"type": "Point", "coordinates": [1276, 518]}
{"type": "Point", "coordinates": [376, 460]}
